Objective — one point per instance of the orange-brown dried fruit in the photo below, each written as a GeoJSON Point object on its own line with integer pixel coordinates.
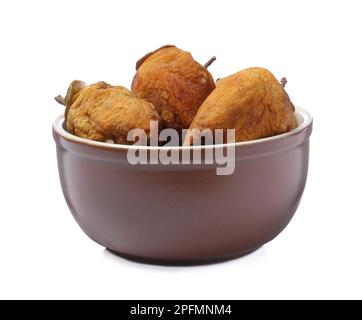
{"type": "Point", "coordinates": [251, 101]}
{"type": "Point", "coordinates": [73, 92]}
{"type": "Point", "coordinates": [174, 83]}
{"type": "Point", "coordinates": [107, 113]}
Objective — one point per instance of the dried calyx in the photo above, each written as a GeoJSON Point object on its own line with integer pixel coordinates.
{"type": "Point", "coordinates": [73, 92]}
{"type": "Point", "coordinates": [146, 56]}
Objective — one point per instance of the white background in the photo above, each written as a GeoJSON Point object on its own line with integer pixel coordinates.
{"type": "Point", "coordinates": [46, 44]}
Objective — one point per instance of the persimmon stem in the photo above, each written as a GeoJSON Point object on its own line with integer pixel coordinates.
{"type": "Point", "coordinates": [283, 81]}
{"type": "Point", "coordinates": [60, 100]}
{"type": "Point", "coordinates": [210, 62]}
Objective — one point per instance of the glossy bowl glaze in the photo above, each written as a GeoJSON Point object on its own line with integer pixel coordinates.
{"type": "Point", "coordinates": [184, 214]}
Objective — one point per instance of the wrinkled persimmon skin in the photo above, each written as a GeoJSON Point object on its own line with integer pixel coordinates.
{"type": "Point", "coordinates": [251, 101]}
{"type": "Point", "coordinates": [107, 113]}
{"type": "Point", "coordinates": [174, 83]}
{"type": "Point", "coordinates": [73, 92]}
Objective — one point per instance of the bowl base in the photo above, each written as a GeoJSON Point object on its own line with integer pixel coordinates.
{"type": "Point", "coordinates": [182, 263]}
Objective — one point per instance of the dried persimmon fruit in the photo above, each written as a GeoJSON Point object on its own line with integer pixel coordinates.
{"type": "Point", "coordinates": [252, 102]}
{"type": "Point", "coordinates": [174, 83]}
{"type": "Point", "coordinates": [107, 113]}
{"type": "Point", "coordinates": [72, 94]}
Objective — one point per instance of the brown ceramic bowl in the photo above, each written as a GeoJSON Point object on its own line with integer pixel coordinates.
{"type": "Point", "coordinates": [184, 214]}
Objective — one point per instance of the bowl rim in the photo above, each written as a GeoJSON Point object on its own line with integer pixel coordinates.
{"type": "Point", "coordinates": [307, 120]}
